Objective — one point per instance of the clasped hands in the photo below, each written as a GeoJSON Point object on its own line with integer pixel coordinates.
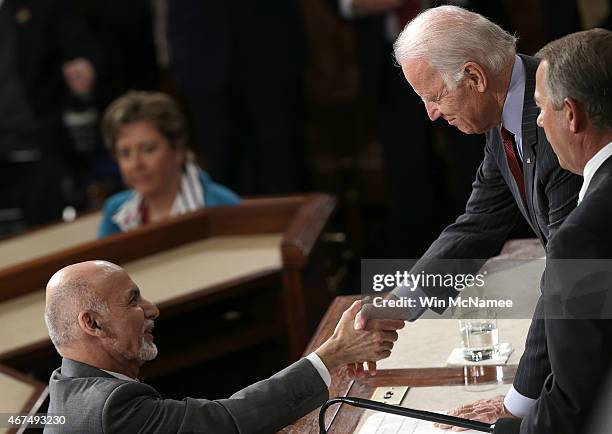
{"type": "Point", "coordinates": [382, 321]}
{"type": "Point", "coordinates": [350, 344]}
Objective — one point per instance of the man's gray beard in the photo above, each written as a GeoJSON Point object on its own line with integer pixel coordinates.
{"type": "Point", "coordinates": [147, 351]}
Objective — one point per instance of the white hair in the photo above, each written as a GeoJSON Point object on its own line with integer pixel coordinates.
{"type": "Point", "coordinates": [449, 36]}
{"type": "Point", "coordinates": [62, 310]}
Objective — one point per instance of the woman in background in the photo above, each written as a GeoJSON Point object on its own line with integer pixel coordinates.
{"type": "Point", "coordinates": [147, 134]}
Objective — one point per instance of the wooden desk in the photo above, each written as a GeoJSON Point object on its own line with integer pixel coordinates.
{"type": "Point", "coordinates": [236, 275]}
{"type": "Point", "coordinates": [20, 394]}
{"type": "Point", "coordinates": [48, 240]}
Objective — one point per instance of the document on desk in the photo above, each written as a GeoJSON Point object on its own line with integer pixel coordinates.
{"type": "Point", "coordinates": [383, 423]}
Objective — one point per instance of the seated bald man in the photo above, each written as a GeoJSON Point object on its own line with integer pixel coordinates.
{"type": "Point", "coordinates": [102, 326]}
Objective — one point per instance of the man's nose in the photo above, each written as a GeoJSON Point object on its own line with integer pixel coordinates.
{"type": "Point", "coordinates": [432, 110]}
{"type": "Point", "coordinates": [150, 309]}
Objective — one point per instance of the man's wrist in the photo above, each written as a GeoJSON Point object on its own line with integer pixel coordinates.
{"type": "Point", "coordinates": [328, 355]}
{"type": "Point", "coordinates": [320, 367]}
{"type": "Point", "coordinates": [517, 404]}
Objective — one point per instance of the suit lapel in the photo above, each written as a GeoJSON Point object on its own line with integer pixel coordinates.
{"type": "Point", "coordinates": [530, 136]}
{"type": "Point", "coordinates": [529, 125]}
{"type": "Point", "coordinates": [504, 166]}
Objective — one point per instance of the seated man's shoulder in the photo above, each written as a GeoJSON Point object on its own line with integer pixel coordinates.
{"type": "Point", "coordinates": [87, 400]}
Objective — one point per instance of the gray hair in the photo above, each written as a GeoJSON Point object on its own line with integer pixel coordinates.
{"type": "Point", "coordinates": [156, 107]}
{"type": "Point", "coordinates": [449, 36]}
{"type": "Point", "coordinates": [63, 307]}
{"type": "Point", "coordinates": [580, 67]}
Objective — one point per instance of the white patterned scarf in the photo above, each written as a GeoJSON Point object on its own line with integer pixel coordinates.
{"type": "Point", "coordinates": [189, 198]}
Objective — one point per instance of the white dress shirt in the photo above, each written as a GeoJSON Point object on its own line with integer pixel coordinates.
{"type": "Point", "coordinates": [121, 376]}
{"type": "Point", "coordinates": [591, 167]}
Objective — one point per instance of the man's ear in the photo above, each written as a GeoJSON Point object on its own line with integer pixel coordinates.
{"type": "Point", "coordinates": [574, 115]}
{"type": "Point", "coordinates": [476, 76]}
{"type": "Point", "coordinates": [89, 322]}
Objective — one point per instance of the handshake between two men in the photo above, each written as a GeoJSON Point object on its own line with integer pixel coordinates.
{"type": "Point", "coordinates": [357, 341]}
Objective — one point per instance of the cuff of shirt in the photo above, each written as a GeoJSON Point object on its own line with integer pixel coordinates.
{"type": "Point", "coordinates": [320, 367]}
{"type": "Point", "coordinates": [415, 312]}
{"type": "Point", "coordinates": [346, 9]}
{"type": "Point", "coordinates": [518, 404]}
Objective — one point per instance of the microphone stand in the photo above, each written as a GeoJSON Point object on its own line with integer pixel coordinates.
{"type": "Point", "coordinates": [406, 412]}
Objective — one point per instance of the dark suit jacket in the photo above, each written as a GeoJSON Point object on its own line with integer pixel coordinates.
{"type": "Point", "coordinates": [492, 210]}
{"type": "Point", "coordinates": [580, 348]}
{"type": "Point", "coordinates": [94, 401]}
{"type": "Point", "coordinates": [48, 34]}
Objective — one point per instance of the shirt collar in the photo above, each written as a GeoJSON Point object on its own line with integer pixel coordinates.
{"type": "Point", "coordinates": [512, 113]}
{"type": "Point", "coordinates": [591, 167]}
{"type": "Point", "coordinates": [120, 376]}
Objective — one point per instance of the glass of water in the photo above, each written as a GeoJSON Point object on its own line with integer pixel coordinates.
{"type": "Point", "coordinates": [480, 339]}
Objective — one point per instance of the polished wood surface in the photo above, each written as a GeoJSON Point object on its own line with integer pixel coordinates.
{"type": "Point", "coordinates": [48, 239]}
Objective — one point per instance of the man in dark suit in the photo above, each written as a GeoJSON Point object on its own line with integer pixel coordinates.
{"type": "Point", "coordinates": [466, 71]}
{"type": "Point", "coordinates": [572, 91]}
{"type": "Point", "coordinates": [103, 328]}
{"type": "Point", "coordinates": [44, 58]}
{"type": "Point", "coordinates": [239, 65]}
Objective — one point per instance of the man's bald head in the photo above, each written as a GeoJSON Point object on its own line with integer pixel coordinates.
{"type": "Point", "coordinates": [73, 289]}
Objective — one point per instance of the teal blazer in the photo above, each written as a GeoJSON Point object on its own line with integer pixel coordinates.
{"type": "Point", "coordinates": [214, 194]}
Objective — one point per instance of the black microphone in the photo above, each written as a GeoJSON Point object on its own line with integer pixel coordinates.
{"type": "Point", "coordinates": [406, 412]}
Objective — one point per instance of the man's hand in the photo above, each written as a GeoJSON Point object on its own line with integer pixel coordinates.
{"type": "Point", "coordinates": [484, 410]}
{"type": "Point", "coordinates": [375, 7]}
{"type": "Point", "coordinates": [79, 75]}
{"type": "Point", "coordinates": [348, 345]}
{"type": "Point", "coordinates": [370, 318]}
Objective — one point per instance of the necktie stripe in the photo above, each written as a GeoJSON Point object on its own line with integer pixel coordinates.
{"type": "Point", "coordinates": [513, 163]}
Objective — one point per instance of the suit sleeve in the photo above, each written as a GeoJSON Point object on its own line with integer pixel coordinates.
{"type": "Point", "coordinates": [266, 406]}
{"type": "Point", "coordinates": [479, 233]}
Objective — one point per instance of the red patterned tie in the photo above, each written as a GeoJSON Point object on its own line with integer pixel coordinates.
{"type": "Point", "coordinates": [407, 12]}
{"type": "Point", "coordinates": [513, 162]}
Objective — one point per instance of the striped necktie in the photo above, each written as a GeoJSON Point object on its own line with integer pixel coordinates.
{"type": "Point", "coordinates": [513, 161]}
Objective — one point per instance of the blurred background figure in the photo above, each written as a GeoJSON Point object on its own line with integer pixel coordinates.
{"type": "Point", "coordinates": [147, 134]}
{"type": "Point", "coordinates": [239, 66]}
{"type": "Point", "coordinates": [45, 59]}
